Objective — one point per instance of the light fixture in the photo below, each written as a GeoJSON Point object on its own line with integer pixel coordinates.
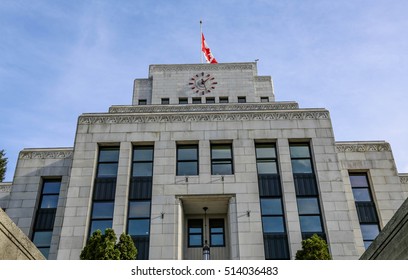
{"type": "Point", "coordinates": [206, 248]}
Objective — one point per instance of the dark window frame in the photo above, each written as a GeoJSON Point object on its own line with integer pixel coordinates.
{"type": "Point", "coordinates": [183, 100]}
{"type": "Point", "coordinates": [142, 102]}
{"type": "Point", "coordinates": [264, 99]}
{"type": "Point", "coordinates": [222, 161]}
{"type": "Point", "coordinates": [210, 100]}
{"type": "Point", "coordinates": [222, 234]}
{"type": "Point", "coordinates": [241, 99]}
{"type": "Point", "coordinates": [196, 100]}
{"type": "Point", "coordinates": [223, 99]}
{"type": "Point", "coordinates": [195, 223]}
{"type": "Point", "coordinates": [197, 160]}
{"type": "Point", "coordinates": [165, 101]}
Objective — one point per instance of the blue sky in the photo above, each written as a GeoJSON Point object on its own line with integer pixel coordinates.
{"type": "Point", "coordinates": [59, 59]}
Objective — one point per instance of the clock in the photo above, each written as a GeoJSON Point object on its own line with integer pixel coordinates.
{"type": "Point", "coordinates": [202, 83]}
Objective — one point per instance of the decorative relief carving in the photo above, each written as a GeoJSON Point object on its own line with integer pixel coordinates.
{"type": "Point", "coordinates": [45, 154]}
{"type": "Point", "coordinates": [363, 147]}
{"type": "Point", "coordinates": [263, 78]}
{"type": "Point", "coordinates": [204, 108]}
{"type": "Point", "coordinates": [201, 67]}
{"type": "Point", "coordinates": [5, 188]}
{"type": "Point", "coordinates": [117, 119]}
{"type": "Point", "coordinates": [404, 179]}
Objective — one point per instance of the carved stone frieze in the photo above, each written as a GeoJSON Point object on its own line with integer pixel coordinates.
{"type": "Point", "coordinates": [5, 188]}
{"type": "Point", "coordinates": [362, 147]}
{"type": "Point", "coordinates": [404, 179]}
{"type": "Point", "coordinates": [204, 107]}
{"type": "Point", "coordinates": [55, 154]}
{"type": "Point", "coordinates": [202, 67]}
{"type": "Point", "coordinates": [194, 117]}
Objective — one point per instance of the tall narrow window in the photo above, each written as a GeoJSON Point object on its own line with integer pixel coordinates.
{"type": "Point", "coordinates": [187, 160]}
{"type": "Point", "coordinates": [140, 195]}
{"type": "Point", "coordinates": [45, 217]}
{"type": "Point", "coordinates": [365, 205]}
{"type": "Point", "coordinates": [307, 195]}
{"type": "Point", "coordinates": [270, 192]}
{"type": "Point", "coordinates": [217, 233]}
{"type": "Point", "coordinates": [104, 189]}
{"type": "Point", "coordinates": [195, 233]}
{"type": "Point", "coordinates": [221, 159]}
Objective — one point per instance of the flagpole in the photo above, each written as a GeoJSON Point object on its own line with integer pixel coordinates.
{"type": "Point", "coordinates": [201, 40]}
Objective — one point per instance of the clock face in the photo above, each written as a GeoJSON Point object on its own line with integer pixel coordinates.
{"type": "Point", "coordinates": [202, 83]}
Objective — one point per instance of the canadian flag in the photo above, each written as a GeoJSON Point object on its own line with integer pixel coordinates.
{"type": "Point", "coordinates": [206, 50]}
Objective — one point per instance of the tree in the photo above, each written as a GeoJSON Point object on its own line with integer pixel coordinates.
{"type": "Point", "coordinates": [313, 248]}
{"type": "Point", "coordinates": [103, 247]}
{"type": "Point", "coordinates": [3, 165]}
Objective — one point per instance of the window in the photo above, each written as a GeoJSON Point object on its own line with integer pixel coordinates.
{"type": "Point", "coordinates": [224, 99]}
{"type": "Point", "coordinates": [270, 192]}
{"type": "Point", "coordinates": [221, 159]}
{"type": "Point", "coordinates": [165, 101]}
{"type": "Point", "coordinates": [142, 101]}
{"type": "Point", "coordinates": [183, 100]}
{"type": "Point", "coordinates": [196, 100]}
{"type": "Point", "coordinates": [45, 217]}
{"type": "Point", "coordinates": [365, 206]}
{"type": "Point", "coordinates": [210, 100]}
{"type": "Point", "coordinates": [264, 99]}
{"type": "Point", "coordinates": [307, 196]}
{"type": "Point", "coordinates": [217, 233]}
{"type": "Point", "coordinates": [187, 160]}
{"type": "Point", "coordinates": [140, 194]}
{"type": "Point", "coordinates": [241, 99]}
{"type": "Point", "coordinates": [104, 189]}
{"type": "Point", "coordinates": [195, 233]}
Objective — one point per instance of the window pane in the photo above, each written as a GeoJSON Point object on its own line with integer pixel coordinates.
{"type": "Point", "coordinates": [143, 169]}
{"type": "Point", "coordinates": [271, 206]}
{"type": "Point", "coordinates": [187, 153]}
{"type": "Point", "coordinates": [107, 170]}
{"type": "Point", "coordinates": [139, 227]}
{"type": "Point", "coordinates": [222, 169]}
{"type": "Point", "coordinates": [102, 225]}
{"type": "Point", "coordinates": [187, 168]}
{"type": "Point", "coordinates": [266, 167]}
{"type": "Point", "coordinates": [369, 232]}
{"type": "Point", "coordinates": [301, 166]}
{"type": "Point", "coordinates": [265, 151]}
{"type": "Point", "coordinates": [143, 154]}
{"type": "Point", "coordinates": [221, 152]}
{"type": "Point", "coordinates": [108, 155]}
{"type": "Point", "coordinates": [308, 206]}
{"type": "Point", "coordinates": [51, 187]}
{"type": "Point", "coordinates": [44, 251]}
{"type": "Point", "coordinates": [273, 224]}
{"type": "Point", "coordinates": [195, 240]}
{"type": "Point", "coordinates": [361, 194]}
{"type": "Point", "coordinates": [195, 226]}
{"type": "Point", "coordinates": [102, 210]}
{"type": "Point", "coordinates": [42, 238]}
{"type": "Point", "coordinates": [358, 180]}
{"type": "Point", "coordinates": [310, 224]}
{"type": "Point", "coordinates": [299, 151]}
{"type": "Point", "coordinates": [49, 201]}
{"type": "Point", "coordinates": [217, 240]}
{"type": "Point", "coordinates": [216, 225]}
{"type": "Point", "coordinates": [139, 209]}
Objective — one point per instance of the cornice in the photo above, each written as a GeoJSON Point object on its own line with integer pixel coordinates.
{"type": "Point", "coordinates": [201, 117]}
{"type": "Point", "coordinates": [363, 147]}
{"type": "Point", "coordinates": [45, 154]}
{"type": "Point", "coordinates": [204, 107]}
{"type": "Point", "coordinates": [201, 67]}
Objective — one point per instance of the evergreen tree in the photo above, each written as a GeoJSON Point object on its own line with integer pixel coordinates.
{"type": "Point", "coordinates": [103, 247]}
{"type": "Point", "coordinates": [3, 165]}
{"type": "Point", "coordinates": [313, 248]}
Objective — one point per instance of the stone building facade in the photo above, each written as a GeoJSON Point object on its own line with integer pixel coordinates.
{"type": "Point", "coordinates": [206, 156]}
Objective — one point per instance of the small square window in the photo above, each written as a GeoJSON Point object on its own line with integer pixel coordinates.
{"type": "Point", "coordinates": [264, 99]}
{"type": "Point", "coordinates": [196, 100]}
{"type": "Point", "coordinates": [183, 100]}
{"type": "Point", "coordinates": [142, 101]}
{"type": "Point", "coordinates": [241, 99]}
{"type": "Point", "coordinates": [224, 99]}
{"type": "Point", "coordinates": [210, 100]}
{"type": "Point", "coordinates": [165, 101]}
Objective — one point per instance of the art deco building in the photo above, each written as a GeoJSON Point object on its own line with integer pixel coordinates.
{"type": "Point", "coordinates": [206, 156]}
